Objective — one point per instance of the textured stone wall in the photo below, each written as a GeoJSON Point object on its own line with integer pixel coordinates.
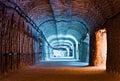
{"type": "Point", "coordinates": [101, 47]}
{"type": "Point", "coordinates": [92, 49]}
{"type": "Point", "coordinates": [113, 45]}
{"type": "Point", "coordinates": [84, 52]}
{"type": "Point", "coordinates": [17, 43]}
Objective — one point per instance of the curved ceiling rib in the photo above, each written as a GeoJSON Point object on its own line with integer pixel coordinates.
{"type": "Point", "coordinates": [45, 16]}
{"type": "Point", "coordinates": [54, 19]}
{"type": "Point", "coordinates": [59, 16]}
{"type": "Point", "coordinates": [70, 21]}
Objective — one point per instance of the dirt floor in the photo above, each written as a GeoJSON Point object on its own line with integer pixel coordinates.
{"type": "Point", "coordinates": [60, 73]}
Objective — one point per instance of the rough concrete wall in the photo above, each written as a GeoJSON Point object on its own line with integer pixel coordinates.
{"type": "Point", "coordinates": [101, 47]}
{"type": "Point", "coordinates": [113, 40]}
{"type": "Point", "coordinates": [84, 52]}
{"type": "Point", "coordinates": [92, 49]}
{"type": "Point", "coordinates": [38, 52]}
{"type": "Point", "coordinates": [16, 41]}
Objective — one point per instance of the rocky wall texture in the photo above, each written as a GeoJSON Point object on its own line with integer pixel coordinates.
{"type": "Point", "coordinates": [113, 45]}
{"type": "Point", "coordinates": [92, 48]}
{"type": "Point", "coordinates": [101, 47]}
{"type": "Point", "coordinates": [17, 44]}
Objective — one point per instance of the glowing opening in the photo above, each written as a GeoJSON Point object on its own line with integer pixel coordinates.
{"type": "Point", "coordinates": [60, 53]}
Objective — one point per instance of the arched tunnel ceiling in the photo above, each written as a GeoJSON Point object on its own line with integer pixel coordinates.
{"type": "Point", "coordinates": [90, 9]}
{"type": "Point", "coordinates": [70, 17]}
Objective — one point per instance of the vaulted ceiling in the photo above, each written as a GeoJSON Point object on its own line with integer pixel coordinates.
{"type": "Point", "coordinates": [63, 19]}
{"type": "Point", "coordinates": [91, 12]}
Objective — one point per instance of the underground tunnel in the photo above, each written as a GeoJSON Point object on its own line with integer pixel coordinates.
{"type": "Point", "coordinates": [72, 33]}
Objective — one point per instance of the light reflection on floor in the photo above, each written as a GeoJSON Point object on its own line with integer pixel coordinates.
{"type": "Point", "coordinates": [38, 73]}
{"type": "Point", "coordinates": [61, 63]}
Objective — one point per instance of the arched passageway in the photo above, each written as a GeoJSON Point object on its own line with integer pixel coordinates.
{"type": "Point", "coordinates": [68, 31]}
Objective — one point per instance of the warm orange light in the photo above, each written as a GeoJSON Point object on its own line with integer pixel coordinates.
{"type": "Point", "coordinates": [101, 47]}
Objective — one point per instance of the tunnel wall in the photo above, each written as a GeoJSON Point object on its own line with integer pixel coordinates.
{"type": "Point", "coordinates": [37, 52]}
{"type": "Point", "coordinates": [101, 48]}
{"type": "Point", "coordinates": [92, 48]}
{"type": "Point", "coordinates": [84, 52]}
{"type": "Point", "coordinates": [113, 40]}
{"type": "Point", "coordinates": [16, 42]}
{"type": "Point", "coordinates": [98, 48]}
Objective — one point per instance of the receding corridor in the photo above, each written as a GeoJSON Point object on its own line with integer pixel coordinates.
{"type": "Point", "coordinates": [61, 73]}
{"type": "Point", "coordinates": [59, 40]}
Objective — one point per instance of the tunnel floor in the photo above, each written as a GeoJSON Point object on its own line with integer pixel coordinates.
{"type": "Point", "coordinates": [62, 63]}
{"type": "Point", "coordinates": [60, 73]}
